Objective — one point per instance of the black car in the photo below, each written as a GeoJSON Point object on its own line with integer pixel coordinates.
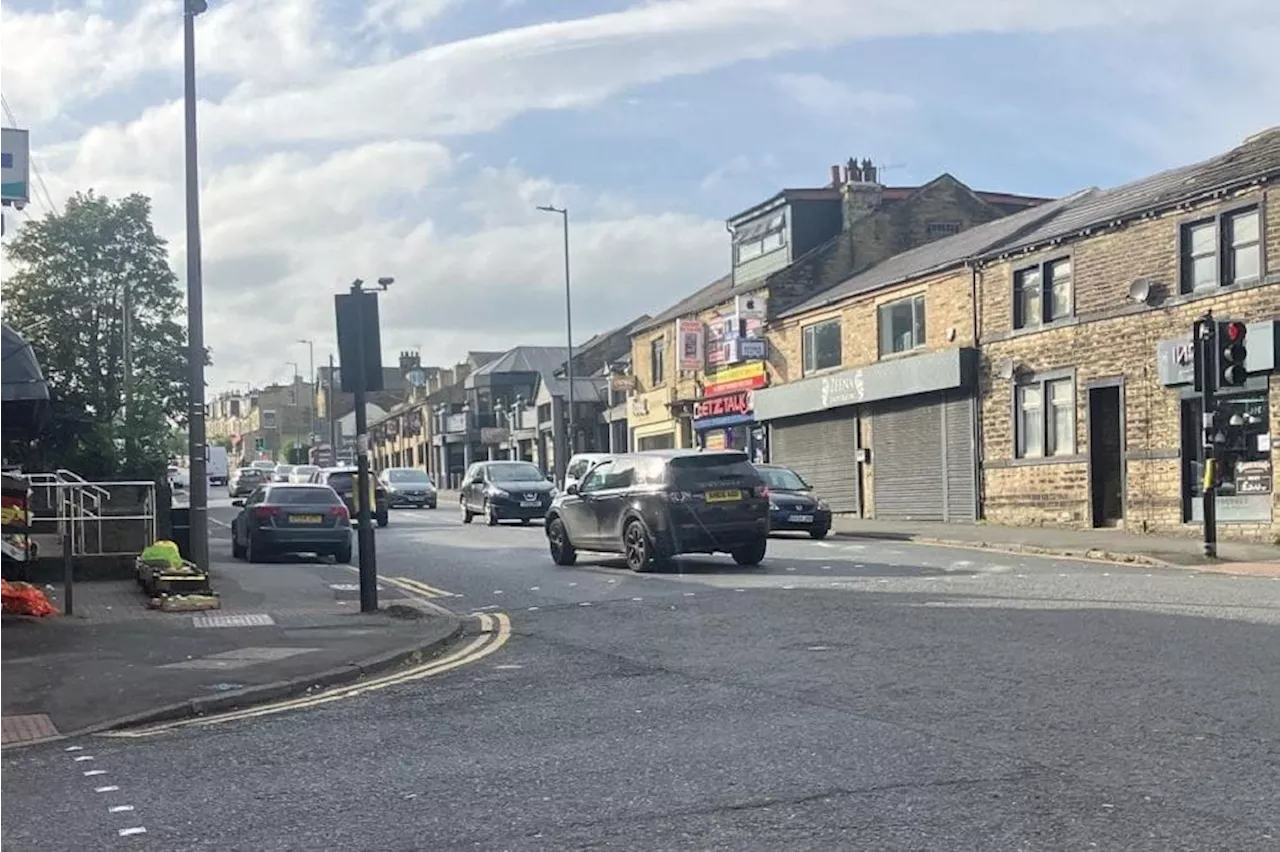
{"type": "Point", "coordinates": [792, 504]}
{"type": "Point", "coordinates": [652, 506]}
{"type": "Point", "coordinates": [245, 480]}
{"type": "Point", "coordinates": [408, 486]}
{"type": "Point", "coordinates": [291, 519]}
{"type": "Point", "coordinates": [505, 490]}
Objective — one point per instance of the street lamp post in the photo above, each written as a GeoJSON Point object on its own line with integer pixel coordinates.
{"type": "Point", "coordinates": [311, 384]}
{"type": "Point", "coordinates": [199, 487]}
{"type": "Point", "coordinates": [570, 442]}
{"type": "Point", "coordinates": [296, 405]}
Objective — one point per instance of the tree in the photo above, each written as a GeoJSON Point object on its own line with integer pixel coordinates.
{"type": "Point", "coordinates": [76, 272]}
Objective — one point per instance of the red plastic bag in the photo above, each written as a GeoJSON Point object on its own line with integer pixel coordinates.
{"type": "Point", "coordinates": [24, 599]}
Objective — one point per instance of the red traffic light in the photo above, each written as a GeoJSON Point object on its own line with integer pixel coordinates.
{"type": "Point", "coordinates": [1235, 332]}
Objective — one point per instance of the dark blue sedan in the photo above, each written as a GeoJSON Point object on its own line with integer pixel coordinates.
{"type": "Point", "coordinates": [792, 503]}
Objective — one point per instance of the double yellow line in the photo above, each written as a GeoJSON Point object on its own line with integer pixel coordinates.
{"type": "Point", "coordinates": [495, 630]}
{"type": "Point", "coordinates": [417, 587]}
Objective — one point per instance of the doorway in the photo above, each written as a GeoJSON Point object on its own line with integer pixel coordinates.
{"type": "Point", "coordinates": [1106, 454]}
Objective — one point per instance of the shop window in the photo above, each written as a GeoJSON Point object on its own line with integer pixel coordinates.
{"type": "Point", "coordinates": [1245, 449]}
{"type": "Point", "coordinates": [902, 325]}
{"type": "Point", "coordinates": [1221, 250]}
{"type": "Point", "coordinates": [820, 343]}
{"type": "Point", "coordinates": [1045, 418]}
{"type": "Point", "coordinates": [1042, 294]}
{"type": "Point", "coordinates": [657, 361]}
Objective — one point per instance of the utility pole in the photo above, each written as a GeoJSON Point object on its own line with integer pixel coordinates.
{"type": "Point", "coordinates": [330, 411]}
{"type": "Point", "coordinates": [312, 391]}
{"type": "Point", "coordinates": [1205, 332]}
{"type": "Point", "coordinates": [199, 487]}
{"type": "Point", "coordinates": [297, 404]}
{"type": "Point", "coordinates": [570, 439]}
{"type": "Point", "coordinates": [126, 360]}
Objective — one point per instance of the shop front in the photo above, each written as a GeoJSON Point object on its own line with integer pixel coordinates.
{"type": "Point", "coordinates": [651, 423]}
{"type": "Point", "coordinates": [724, 416]}
{"type": "Point", "coordinates": [1244, 433]}
{"type": "Point", "coordinates": [919, 413]}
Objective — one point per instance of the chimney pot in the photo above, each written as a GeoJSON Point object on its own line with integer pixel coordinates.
{"type": "Point", "coordinates": [835, 175]}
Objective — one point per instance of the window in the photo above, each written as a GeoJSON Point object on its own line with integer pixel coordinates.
{"type": "Point", "coordinates": [902, 325]}
{"type": "Point", "coordinates": [1042, 294]}
{"type": "Point", "coordinates": [821, 346]}
{"type": "Point", "coordinates": [1045, 418]}
{"type": "Point", "coordinates": [759, 238]}
{"type": "Point", "coordinates": [942, 229]}
{"type": "Point", "coordinates": [1222, 250]}
{"type": "Point", "coordinates": [657, 361]}
{"type": "Point", "coordinates": [597, 478]}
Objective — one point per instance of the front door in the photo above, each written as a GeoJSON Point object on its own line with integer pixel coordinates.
{"type": "Point", "coordinates": [1106, 455]}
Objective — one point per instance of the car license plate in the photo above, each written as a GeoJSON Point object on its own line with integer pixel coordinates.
{"type": "Point", "coordinates": [305, 519]}
{"type": "Point", "coordinates": [801, 519]}
{"type": "Point", "coordinates": [529, 504]}
{"type": "Point", "coordinates": [723, 496]}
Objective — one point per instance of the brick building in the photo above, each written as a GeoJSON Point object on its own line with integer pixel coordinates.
{"type": "Point", "coordinates": [1088, 413]}
{"type": "Point", "coordinates": [695, 365]}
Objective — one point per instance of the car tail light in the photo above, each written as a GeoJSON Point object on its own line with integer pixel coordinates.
{"type": "Point", "coordinates": [264, 513]}
{"type": "Point", "coordinates": [340, 512]}
{"type": "Point", "coordinates": [762, 491]}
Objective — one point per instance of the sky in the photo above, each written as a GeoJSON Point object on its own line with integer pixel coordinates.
{"type": "Point", "coordinates": [416, 138]}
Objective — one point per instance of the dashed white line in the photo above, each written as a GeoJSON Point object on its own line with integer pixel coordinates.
{"type": "Point", "coordinates": [788, 587]}
{"type": "Point", "coordinates": [110, 788]}
{"type": "Point", "coordinates": [74, 748]}
{"type": "Point", "coordinates": [688, 594]}
{"type": "Point", "coordinates": [535, 588]}
{"type": "Point", "coordinates": [119, 809]}
{"type": "Point", "coordinates": [497, 591]}
{"type": "Point", "coordinates": [571, 585]}
{"type": "Point", "coordinates": [82, 757]}
{"type": "Point", "coordinates": [533, 609]}
{"type": "Point", "coordinates": [739, 590]}
{"type": "Point", "coordinates": [791, 567]}
{"type": "Point", "coordinates": [826, 567]}
{"type": "Point", "coordinates": [137, 829]}
{"type": "Point", "coordinates": [91, 772]}
{"type": "Point", "coordinates": [584, 603]}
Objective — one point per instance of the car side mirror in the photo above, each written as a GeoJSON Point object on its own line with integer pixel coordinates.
{"type": "Point", "coordinates": [237, 502]}
{"type": "Point", "coordinates": [572, 488]}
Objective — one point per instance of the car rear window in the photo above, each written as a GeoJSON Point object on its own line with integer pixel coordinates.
{"type": "Point", "coordinates": [692, 473]}
{"type": "Point", "coordinates": [302, 497]}
{"type": "Point", "coordinates": [340, 482]}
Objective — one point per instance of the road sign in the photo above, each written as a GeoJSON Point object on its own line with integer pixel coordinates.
{"type": "Point", "coordinates": [15, 164]}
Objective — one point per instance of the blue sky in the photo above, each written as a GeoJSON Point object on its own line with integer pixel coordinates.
{"type": "Point", "coordinates": [414, 137]}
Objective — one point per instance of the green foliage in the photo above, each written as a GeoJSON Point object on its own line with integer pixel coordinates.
{"type": "Point", "coordinates": [67, 297]}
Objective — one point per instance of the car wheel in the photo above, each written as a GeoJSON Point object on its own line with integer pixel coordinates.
{"type": "Point", "coordinates": [237, 551]}
{"type": "Point", "coordinates": [819, 533]}
{"type": "Point", "coordinates": [383, 517]}
{"type": "Point", "coordinates": [490, 514]}
{"type": "Point", "coordinates": [636, 547]}
{"type": "Point", "coordinates": [343, 556]}
{"type": "Point", "coordinates": [254, 554]}
{"type": "Point", "coordinates": [466, 513]}
{"type": "Point", "coordinates": [562, 550]}
{"type": "Point", "coordinates": [751, 554]}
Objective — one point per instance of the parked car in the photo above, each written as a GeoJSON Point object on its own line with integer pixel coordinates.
{"type": "Point", "coordinates": [244, 480]}
{"type": "Point", "coordinates": [281, 473]}
{"type": "Point", "coordinates": [408, 486]}
{"type": "Point", "coordinates": [505, 491]}
{"type": "Point", "coordinates": [178, 478]}
{"type": "Point", "coordinates": [302, 473]}
{"type": "Point", "coordinates": [579, 465]}
{"type": "Point", "coordinates": [652, 506]}
{"type": "Point", "coordinates": [263, 464]}
{"type": "Point", "coordinates": [281, 518]}
{"type": "Point", "coordinates": [792, 503]}
{"type": "Point", "coordinates": [343, 481]}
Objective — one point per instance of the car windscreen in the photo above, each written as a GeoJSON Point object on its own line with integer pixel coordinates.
{"type": "Point", "coordinates": [782, 479]}
{"type": "Point", "coordinates": [305, 470]}
{"type": "Point", "coordinates": [515, 472]}
{"type": "Point", "coordinates": [302, 497]}
{"type": "Point", "coordinates": [252, 472]}
{"type": "Point", "coordinates": [409, 476]}
{"type": "Point", "coordinates": [690, 473]}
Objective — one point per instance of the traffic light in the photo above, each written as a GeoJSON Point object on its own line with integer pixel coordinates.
{"type": "Point", "coordinates": [1231, 354]}
{"type": "Point", "coordinates": [259, 444]}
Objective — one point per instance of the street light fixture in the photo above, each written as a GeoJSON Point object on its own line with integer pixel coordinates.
{"type": "Point", "coordinates": [571, 441]}
{"type": "Point", "coordinates": [198, 500]}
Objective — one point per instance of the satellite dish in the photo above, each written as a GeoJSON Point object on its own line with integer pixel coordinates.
{"type": "Point", "coordinates": [1140, 291]}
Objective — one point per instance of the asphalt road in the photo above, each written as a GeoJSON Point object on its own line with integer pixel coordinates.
{"type": "Point", "coordinates": [845, 695]}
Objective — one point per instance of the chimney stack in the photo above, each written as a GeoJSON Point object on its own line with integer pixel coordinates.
{"type": "Point", "coordinates": [835, 176]}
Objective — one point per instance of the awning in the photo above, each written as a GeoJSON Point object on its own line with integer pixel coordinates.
{"type": "Point", "coordinates": [23, 392]}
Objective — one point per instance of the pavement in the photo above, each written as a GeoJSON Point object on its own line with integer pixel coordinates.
{"type": "Point", "coordinates": [283, 628]}
{"type": "Point", "coordinates": [847, 694]}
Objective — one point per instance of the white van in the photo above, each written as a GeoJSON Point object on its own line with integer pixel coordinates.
{"type": "Point", "coordinates": [579, 465]}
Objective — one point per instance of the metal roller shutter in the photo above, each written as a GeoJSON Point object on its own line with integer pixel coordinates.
{"type": "Point", "coordinates": [962, 470]}
{"type": "Point", "coordinates": [907, 461]}
{"type": "Point", "coordinates": [823, 449]}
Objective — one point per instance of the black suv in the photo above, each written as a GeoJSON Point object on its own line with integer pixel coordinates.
{"type": "Point", "coordinates": [652, 506]}
{"type": "Point", "coordinates": [505, 490]}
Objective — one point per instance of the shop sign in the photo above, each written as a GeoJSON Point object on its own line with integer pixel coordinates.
{"type": "Point", "coordinates": [640, 406]}
{"type": "Point", "coordinates": [689, 339]}
{"type": "Point", "coordinates": [746, 377]}
{"type": "Point", "coordinates": [843, 389]}
{"type": "Point", "coordinates": [494, 435]}
{"type": "Point", "coordinates": [622, 384]}
{"type": "Point", "coordinates": [1253, 477]}
{"type": "Point", "coordinates": [728, 405]}
{"type": "Point", "coordinates": [1175, 359]}
{"type": "Point", "coordinates": [738, 349]}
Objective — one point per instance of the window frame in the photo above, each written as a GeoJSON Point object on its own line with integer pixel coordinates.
{"type": "Point", "coordinates": [1044, 269]}
{"type": "Point", "coordinates": [658, 361]}
{"type": "Point", "coordinates": [807, 345]}
{"type": "Point", "coordinates": [912, 300]}
{"type": "Point", "coordinates": [1223, 247]}
{"type": "Point", "coordinates": [943, 228]}
{"type": "Point", "coordinates": [1044, 382]}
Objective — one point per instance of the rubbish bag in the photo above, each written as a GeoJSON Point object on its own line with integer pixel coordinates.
{"type": "Point", "coordinates": [163, 551]}
{"type": "Point", "coordinates": [24, 599]}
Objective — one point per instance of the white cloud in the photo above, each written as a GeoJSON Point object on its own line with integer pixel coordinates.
{"type": "Point", "coordinates": [403, 15]}
{"type": "Point", "coordinates": [825, 96]}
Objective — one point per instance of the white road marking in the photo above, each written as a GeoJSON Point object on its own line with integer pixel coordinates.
{"type": "Point", "coordinates": [571, 585]}
{"type": "Point", "coordinates": [509, 666]}
{"type": "Point", "coordinates": [533, 609]}
{"type": "Point", "coordinates": [81, 757]}
{"type": "Point", "coordinates": [826, 567]}
{"type": "Point", "coordinates": [739, 590]}
{"type": "Point", "coordinates": [74, 748]}
{"type": "Point", "coordinates": [534, 588]}
{"type": "Point", "coordinates": [92, 772]}
{"type": "Point", "coordinates": [497, 591]}
{"type": "Point", "coordinates": [137, 829]}
{"type": "Point", "coordinates": [637, 599]}
{"type": "Point", "coordinates": [819, 647]}
{"type": "Point", "coordinates": [119, 809]}
{"type": "Point", "coordinates": [788, 587]}
{"type": "Point", "coordinates": [791, 567]}
{"type": "Point", "coordinates": [584, 603]}
{"type": "Point", "coordinates": [108, 789]}
{"type": "Point", "coordinates": [688, 594]}
{"type": "Point", "coordinates": [222, 524]}
{"type": "Point", "coordinates": [824, 544]}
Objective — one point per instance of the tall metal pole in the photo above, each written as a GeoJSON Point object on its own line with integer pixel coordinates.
{"type": "Point", "coordinates": [570, 442]}
{"type": "Point", "coordinates": [330, 411]}
{"type": "Point", "coordinates": [364, 524]}
{"type": "Point", "coordinates": [126, 359]}
{"type": "Point", "coordinates": [1206, 332]}
{"type": "Point", "coordinates": [311, 386]}
{"type": "Point", "coordinates": [199, 493]}
{"type": "Point", "coordinates": [297, 404]}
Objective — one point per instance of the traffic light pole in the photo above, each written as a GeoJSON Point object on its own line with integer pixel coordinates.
{"type": "Point", "coordinates": [364, 524]}
{"type": "Point", "coordinates": [1207, 334]}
